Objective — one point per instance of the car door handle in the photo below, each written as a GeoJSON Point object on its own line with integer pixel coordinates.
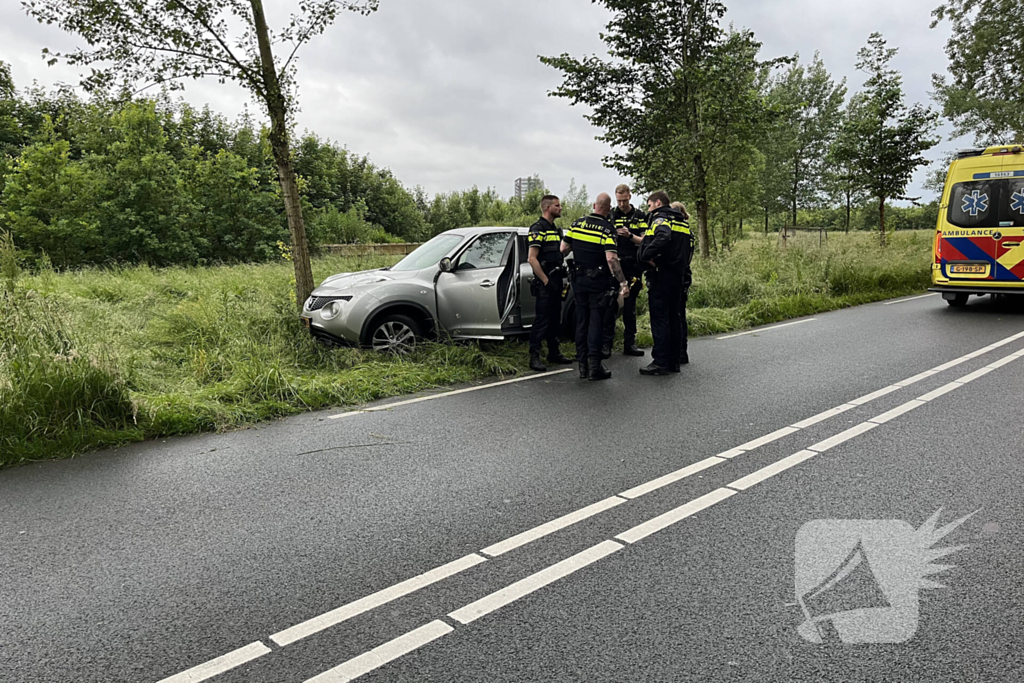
{"type": "Point", "coordinates": [1010, 245]}
{"type": "Point", "coordinates": [487, 283]}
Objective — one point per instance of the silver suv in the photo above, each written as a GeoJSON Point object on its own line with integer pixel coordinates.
{"type": "Point", "coordinates": [470, 283]}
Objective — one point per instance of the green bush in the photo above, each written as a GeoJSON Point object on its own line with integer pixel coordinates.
{"type": "Point", "coordinates": [331, 226]}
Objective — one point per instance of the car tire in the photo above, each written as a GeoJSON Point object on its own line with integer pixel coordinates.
{"type": "Point", "coordinates": [958, 300]}
{"type": "Point", "coordinates": [395, 334]}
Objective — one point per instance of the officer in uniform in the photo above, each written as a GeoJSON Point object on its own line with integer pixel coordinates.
{"type": "Point", "coordinates": [630, 225]}
{"type": "Point", "coordinates": [666, 248]}
{"type": "Point", "coordinates": [545, 258]}
{"type": "Point", "coordinates": [684, 356]}
{"type": "Point", "coordinates": [594, 260]}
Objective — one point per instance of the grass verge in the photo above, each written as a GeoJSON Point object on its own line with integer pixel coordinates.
{"type": "Point", "coordinates": [101, 357]}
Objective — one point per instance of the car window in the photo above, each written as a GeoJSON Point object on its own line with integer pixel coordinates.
{"type": "Point", "coordinates": [485, 252]}
{"type": "Point", "coordinates": [974, 205]}
{"type": "Point", "coordinates": [429, 253]}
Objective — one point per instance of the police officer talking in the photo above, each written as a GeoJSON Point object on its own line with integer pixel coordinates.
{"type": "Point", "coordinates": [594, 259]}
{"type": "Point", "coordinates": [630, 225]}
{"type": "Point", "coordinates": [666, 248]}
{"type": "Point", "coordinates": [546, 260]}
{"type": "Point", "coordinates": [684, 356]}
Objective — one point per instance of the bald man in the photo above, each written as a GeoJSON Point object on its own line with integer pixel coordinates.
{"type": "Point", "coordinates": [592, 242]}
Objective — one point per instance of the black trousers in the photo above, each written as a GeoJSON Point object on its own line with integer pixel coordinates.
{"type": "Point", "coordinates": [633, 276]}
{"type": "Point", "coordinates": [591, 300]}
{"type": "Point", "coordinates": [684, 332]}
{"type": "Point", "coordinates": [665, 296]}
{"type": "Point", "coordinates": [548, 320]}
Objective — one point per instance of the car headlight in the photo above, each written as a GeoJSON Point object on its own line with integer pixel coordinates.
{"type": "Point", "coordinates": [331, 310]}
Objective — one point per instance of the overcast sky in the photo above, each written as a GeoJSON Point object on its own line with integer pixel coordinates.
{"type": "Point", "coordinates": [450, 93]}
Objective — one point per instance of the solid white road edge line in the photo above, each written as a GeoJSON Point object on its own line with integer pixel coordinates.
{"type": "Point", "coordinates": [381, 655]}
{"type": "Point", "coordinates": [513, 592]}
{"type": "Point", "coordinates": [345, 612]}
{"type": "Point", "coordinates": [766, 329]}
{"type": "Point", "coordinates": [913, 298]}
{"type": "Point", "coordinates": [421, 399]}
{"type": "Point", "coordinates": [219, 665]}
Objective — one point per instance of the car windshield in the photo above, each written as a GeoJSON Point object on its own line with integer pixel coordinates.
{"type": "Point", "coordinates": [429, 253]}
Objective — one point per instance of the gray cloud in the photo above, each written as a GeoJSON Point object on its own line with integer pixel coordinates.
{"type": "Point", "coordinates": [451, 94]}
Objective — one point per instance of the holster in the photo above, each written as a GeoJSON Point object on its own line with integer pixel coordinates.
{"type": "Point", "coordinates": [552, 270]}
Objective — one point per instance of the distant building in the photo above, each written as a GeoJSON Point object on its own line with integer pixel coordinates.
{"type": "Point", "coordinates": [526, 185]}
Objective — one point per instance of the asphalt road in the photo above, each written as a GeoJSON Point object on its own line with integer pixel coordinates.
{"type": "Point", "coordinates": [152, 562]}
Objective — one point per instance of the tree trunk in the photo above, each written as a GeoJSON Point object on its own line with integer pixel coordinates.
{"type": "Point", "coordinates": [702, 206]}
{"type": "Point", "coordinates": [277, 108]}
{"type": "Point", "coordinates": [796, 187]}
{"type": "Point", "coordinates": [849, 200]}
{"type": "Point", "coordinates": [766, 221]}
{"type": "Point", "coordinates": [881, 221]}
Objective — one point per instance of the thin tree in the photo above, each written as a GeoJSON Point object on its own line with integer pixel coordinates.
{"type": "Point", "coordinates": [814, 103]}
{"type": "Point", "coordinates": [154, 42]}
{"type": "Point", "coordinates": [884, 140]}
{"type": "Point", "coordinates": [676, 90]}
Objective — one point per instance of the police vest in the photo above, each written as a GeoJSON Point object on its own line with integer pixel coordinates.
{"type": "Point", "coordinates": [548, 238]}
{"type": "Point", "coordinates": [591, 238]}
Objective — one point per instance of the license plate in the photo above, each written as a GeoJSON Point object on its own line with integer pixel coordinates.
{"type": "Point", "coordinates": [969, 269]}
{"type": "Point", "coordinates": [305, 322]}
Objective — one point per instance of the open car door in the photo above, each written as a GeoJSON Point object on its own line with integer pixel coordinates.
{"type": "Point", "coordinates": [477, 295]}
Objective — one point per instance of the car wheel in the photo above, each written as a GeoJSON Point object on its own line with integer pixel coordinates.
{"type": "Point", "coordinates": [396, 334]}
{"type": "Point", "coordinates": [958, 300]}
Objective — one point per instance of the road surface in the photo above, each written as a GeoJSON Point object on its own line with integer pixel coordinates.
{"type": "Point", "coordinates": [551, 529]}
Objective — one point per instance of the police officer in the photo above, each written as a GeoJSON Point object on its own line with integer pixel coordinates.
{"type": "Point", "coordinates": [630, 224]}
{"type": "Point", "coordinates": [684, 356]}
{"type": "Point", "coordinates": [666, 248]}
{"type": "Point", "coordinates": [545, 258]}
{"type": "Point", "coordinates": [594, 260]}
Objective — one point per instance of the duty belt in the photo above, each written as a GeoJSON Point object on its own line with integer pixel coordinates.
{"type": "Point", "coordinates": [589, 272]}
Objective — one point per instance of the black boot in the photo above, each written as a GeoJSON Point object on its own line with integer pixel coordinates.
{"type": "Point", "coordinates": [598, 371]}
{"type": "Point", "coordinates": [584, 369]}
{"type": "Point", "coordinates": [557, 358]}
{"type": "Point", "coordinates": [631, 349]}
{"type": "Point", "coordinates": [654, 369]}
{"type": "Point", "coordinates": [536, 364]}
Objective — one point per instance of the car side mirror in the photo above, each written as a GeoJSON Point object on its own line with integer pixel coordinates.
{"type": "Point", "coordinates": [445, 265]}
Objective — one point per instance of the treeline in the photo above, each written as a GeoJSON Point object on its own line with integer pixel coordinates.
{"type": "Point", "coordinates": [157, 181]}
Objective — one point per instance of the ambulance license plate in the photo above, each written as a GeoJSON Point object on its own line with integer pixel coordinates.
{"type": "Point", "coordinates": [969, 269]}
{"type": "Point", "coordinates": [305, 322]}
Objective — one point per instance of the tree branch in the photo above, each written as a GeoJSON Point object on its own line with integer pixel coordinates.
{"type": "Point", "coordinates": [256, 81]}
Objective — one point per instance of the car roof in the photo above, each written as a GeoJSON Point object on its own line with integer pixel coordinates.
{"type": "Point", "coordinates": [482, 229]}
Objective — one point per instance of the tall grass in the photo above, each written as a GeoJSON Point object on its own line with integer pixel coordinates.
{"type": "Point", "coordinates": [104, 356]}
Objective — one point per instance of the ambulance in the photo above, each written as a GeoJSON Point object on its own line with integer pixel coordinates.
{"type": "Point", "coordinates": [979, 240]}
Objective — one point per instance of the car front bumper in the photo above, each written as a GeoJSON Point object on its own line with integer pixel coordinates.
{"type": "Point", "coordinates": [346, 328]}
